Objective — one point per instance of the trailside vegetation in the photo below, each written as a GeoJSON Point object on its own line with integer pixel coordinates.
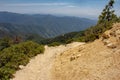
{"type": "Point", "coordinates": [105, 21]}
{"type": "Point", "coordinates": [14, 56]}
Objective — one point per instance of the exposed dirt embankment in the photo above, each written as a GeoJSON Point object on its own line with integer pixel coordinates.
{"type": "Point", "coordinates": [99, 60]}
{"type": "Point", "coordinates": [40, 67]}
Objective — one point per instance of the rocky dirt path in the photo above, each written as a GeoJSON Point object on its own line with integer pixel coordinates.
{"type": "Point", "coordinates": [40, 66]}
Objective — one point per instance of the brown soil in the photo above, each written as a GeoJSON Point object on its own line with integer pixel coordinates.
{"type": "Point", "coordinates": [92, 61]}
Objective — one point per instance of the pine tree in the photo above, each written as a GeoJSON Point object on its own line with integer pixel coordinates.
{"type": "Point", "coordinates": [107, 13]}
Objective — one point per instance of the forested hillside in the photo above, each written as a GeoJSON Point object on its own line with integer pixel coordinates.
{"type": "Point", "coordinates": [105, 22]}
{"type": "Point", "coordinates": [43, 25]}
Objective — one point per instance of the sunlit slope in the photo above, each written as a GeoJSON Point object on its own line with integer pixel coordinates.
{"type": "Point", "coordinates": [99, 60]}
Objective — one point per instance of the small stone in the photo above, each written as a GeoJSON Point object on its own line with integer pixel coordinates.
{"type": "Point", "coordinates": [106, 35]}
{"type": "Point", "coordinates": [21, 66]}
{"type": "Point", "coordinates": [106, 42]}
{"type": "Point", "coordinates": [72, 58]}
{"type": "Point", "coordinates": [111, 45]}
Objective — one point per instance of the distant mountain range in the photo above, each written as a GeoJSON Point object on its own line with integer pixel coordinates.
{"type": "Point", "coordinates": [43, 25]}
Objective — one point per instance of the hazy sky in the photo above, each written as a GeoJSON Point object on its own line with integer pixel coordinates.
{"type": "Point", "coordinates": [82, 8]}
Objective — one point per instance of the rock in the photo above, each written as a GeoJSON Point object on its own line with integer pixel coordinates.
{"type": "Point", "coordinates": [118, 32]}
{"type": "Point", "coordinates": [21, 66]}
{"type": "Point", "coordinates": [118, 35]}
{"type": "Point", "coordinates": [105, 36]}
{"type": "Point", "coordinates": [112, 33]}
{"type": "Point", "coordinates": [72, 58]}
{"type": "Point", "coordinates": [111, 45]}
{"type": "Point", "coordinates": [78, 56]}
{"type": "Point", "coordinates": [106, 42]}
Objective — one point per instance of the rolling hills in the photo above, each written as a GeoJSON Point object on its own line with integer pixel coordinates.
{"type": "Point", "coordinates": [43, 25]}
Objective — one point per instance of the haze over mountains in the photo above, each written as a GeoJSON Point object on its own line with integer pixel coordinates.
{"type": "Point", "coordinates": [43, 25]}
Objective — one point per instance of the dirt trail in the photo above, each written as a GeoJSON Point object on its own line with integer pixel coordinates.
{"type": "Point", "coordinates": [40, 67]}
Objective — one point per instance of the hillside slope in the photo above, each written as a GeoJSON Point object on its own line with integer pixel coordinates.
{"type": "Point", "coordinates": [99, 60]}
{"type": "Point", "coordinates": [44, 25]}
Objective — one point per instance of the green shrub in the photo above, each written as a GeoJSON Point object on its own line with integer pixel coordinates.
{"type": "Point", "coordinates": [5, 42]}
{"type": "Point", "coordinates": [91, 37]}
{"type": "Point", "coordinates": [69, 41]}
{"type": "Point", "coordinates": [80, 39]}
{"type": "Point", "coordinates": [54, 44]}
{"type": "Point", "coordinates": [19, 54]}
{"type": "Point", "coordinates": [6, 73]}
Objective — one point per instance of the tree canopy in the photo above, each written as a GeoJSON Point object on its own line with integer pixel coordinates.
{"type": "Point", "coordinates": [107, 13]}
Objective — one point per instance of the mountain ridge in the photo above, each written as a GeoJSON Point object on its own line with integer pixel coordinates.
{"type": "Point", "coordinates": [45, 25]}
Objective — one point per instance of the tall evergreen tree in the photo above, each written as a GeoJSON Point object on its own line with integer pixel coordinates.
{"type": "Point", "coordinates": [107, 13]}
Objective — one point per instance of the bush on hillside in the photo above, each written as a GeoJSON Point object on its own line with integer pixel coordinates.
{"type": "Point", "coordinates": [54, 44]}
{"type": "Point", "coordinates": [19, 54]}
{"type": "Point", "coordinates": [5, 42]}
